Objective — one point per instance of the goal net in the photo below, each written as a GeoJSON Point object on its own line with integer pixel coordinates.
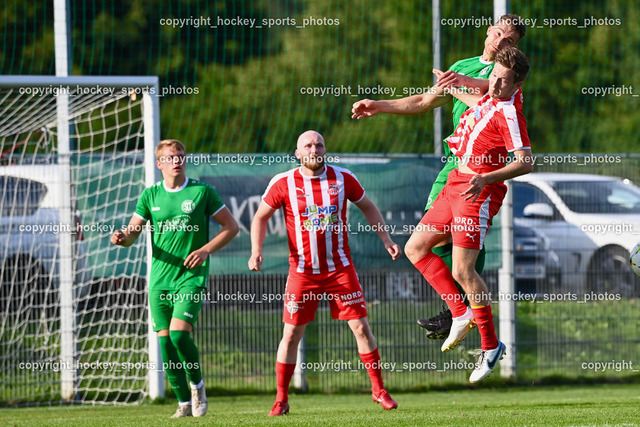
{"type": "Point", "coordinates": [73, 317]}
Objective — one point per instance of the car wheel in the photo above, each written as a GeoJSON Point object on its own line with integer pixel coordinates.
{"type": "Point", "coordinates": [609, 271]}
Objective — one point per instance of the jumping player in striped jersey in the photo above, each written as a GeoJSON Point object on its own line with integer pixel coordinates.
{"type": "Point", "coordinates": [314, 198]}
{"type": "Point", "coordinates": [492, 128]}
{"type": "Point", "coordinates": [471, 73]}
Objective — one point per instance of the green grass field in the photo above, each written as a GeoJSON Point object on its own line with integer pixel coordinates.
{"type": "Point", "coordinates": [530, 406]}
{"type": "Point", "coordinates": [241, 359]}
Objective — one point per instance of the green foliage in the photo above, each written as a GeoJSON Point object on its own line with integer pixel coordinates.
{"type": "Point", "coordinates": [244, 84]}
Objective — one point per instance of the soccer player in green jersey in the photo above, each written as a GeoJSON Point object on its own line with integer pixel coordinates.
{"type": "Point", "coordinates": [179, 209]}
{"type": "Point", "coordinates": [473, 74]}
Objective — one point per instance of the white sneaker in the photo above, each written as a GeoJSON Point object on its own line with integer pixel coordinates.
{"type": "Point", "coordinates": [459, 328]}
{"type": "Point", "coordinates": [487, 361]}
{"type": "Point", "coordinates": [199, 400]}
{"type": "Point", "coordinates": [183, 411]}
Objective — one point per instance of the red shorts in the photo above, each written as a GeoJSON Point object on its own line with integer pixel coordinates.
{"type": "Point", "coordinates": [467, 221]}
{"type": "Point", "coordinates": [340, 287]}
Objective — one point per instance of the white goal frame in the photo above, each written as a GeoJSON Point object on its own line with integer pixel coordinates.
{"type": "Point", "coordinates": [151, 120]}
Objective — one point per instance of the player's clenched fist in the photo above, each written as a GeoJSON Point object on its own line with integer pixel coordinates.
{"type": "Point", "coordinates": [255, 263]}
{"type": "Point", "coordinates": [394, 250]}
{"type": "Point", "coordinates": [118, 237]}
{"type": "Point", "coordinates": [364, 108]}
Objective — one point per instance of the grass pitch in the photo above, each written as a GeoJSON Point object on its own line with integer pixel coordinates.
{"type": "Point", "coordinates": [541, 406]}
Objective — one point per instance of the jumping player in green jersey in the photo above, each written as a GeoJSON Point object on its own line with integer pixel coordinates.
{"type": "Point", "coordinates": [473, 74]}
{"type": "Point", "coordinates": [179, 209]}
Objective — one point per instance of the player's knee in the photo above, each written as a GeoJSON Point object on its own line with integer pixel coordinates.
{"type": "Point", "coordinates": [359, 329]}
{"type": "Point", "coordinates": [291, 337]}
{"type": "Point", "coordinates": [413, 251]}
{"type": "Point", "coordinates": [463, 275]}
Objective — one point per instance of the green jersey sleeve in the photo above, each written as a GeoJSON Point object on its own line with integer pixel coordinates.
{"type": "Point", "coordinates": [142, 208]}
{"type": "Point", "coordinates": [214, 202]}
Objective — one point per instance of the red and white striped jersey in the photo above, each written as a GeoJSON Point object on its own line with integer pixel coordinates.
{"type": "Point", "coordinates": [315, 210]}
{"type": "Point", "coordinates": [488, 132]}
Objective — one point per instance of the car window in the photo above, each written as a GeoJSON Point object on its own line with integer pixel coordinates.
{"type": "Point", "coordinates": [623, 198]}
{"type": "Point", "coordinates": [524, 194]}
{"type": "Point", "coordinates": [20, 196]}
{"type": "Point", "coordinates": [599, 197]}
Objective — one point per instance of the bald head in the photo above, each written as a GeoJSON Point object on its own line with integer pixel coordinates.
{"type": "Point", "coordinates": [311, 151]}
{"type": "Point", "coordinates": [309, 136]}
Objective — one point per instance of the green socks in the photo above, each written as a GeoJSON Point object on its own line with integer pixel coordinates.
{"type": "Point", "coordinates": [188, 353]}
{"type": "Point", "coordinates": [173, 368]}
{"type": "Point", "coordinates": [444, 252]}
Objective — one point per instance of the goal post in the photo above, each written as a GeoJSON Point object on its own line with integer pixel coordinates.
{"type": "Point", "coordinates": [75, 154]}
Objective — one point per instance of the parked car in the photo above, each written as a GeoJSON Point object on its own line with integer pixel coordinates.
{"type": "Point", "coordinates": [537, 267]}
{"type": "Point", "coordinates": [592, 223]}
{"type": "Point", "coordinates": [30, 203]}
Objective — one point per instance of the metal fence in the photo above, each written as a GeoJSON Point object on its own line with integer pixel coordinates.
{"type": "Point", "coordinates": [576, 311]}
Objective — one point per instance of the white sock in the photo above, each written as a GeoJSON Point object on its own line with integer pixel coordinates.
{"type": "Point", "coordinates": [467, 315]}
{"type": "Point", "coordinates": [184, 403]}
{"type": "Point", "coordinates": [196, 386]}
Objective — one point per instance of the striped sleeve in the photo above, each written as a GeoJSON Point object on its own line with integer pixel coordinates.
{"type": "Point", "coordinates": [513, 128]}
{"type": "Point", "coordinates": [353, 188]}
{"type": "Point", "coordinates": [275, 194]}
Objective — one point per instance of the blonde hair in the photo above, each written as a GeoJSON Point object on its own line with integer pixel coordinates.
{"type": "Point", "coordinates": [169, 143]}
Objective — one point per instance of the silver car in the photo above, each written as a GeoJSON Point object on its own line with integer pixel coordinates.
{"type": "Point", "coordinates": [592, 223]}
{"type": "Point", "coordinates": [30, 226]}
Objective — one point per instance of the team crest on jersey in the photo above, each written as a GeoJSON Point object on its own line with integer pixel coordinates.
{"type": "Point", "coordinates": [292, 307]}
{"type": "Point", "coordinates": [485, 71]}
{"type": "Point", "coordinates": [333, 189]}
{"type": "Point", "coordinates": [188, 206]}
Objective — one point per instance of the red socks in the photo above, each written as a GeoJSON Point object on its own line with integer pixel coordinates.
{"type": "Point", "coordinates": [435, 270]}
{"type": "Point", "coordinates": [372, 364]}
{"type": "Point", "coordinates": [484, 320]}
{"type": "Point", "coordinates": [371, 361]}
{"type": "Point", "coordinates": [284, 372]}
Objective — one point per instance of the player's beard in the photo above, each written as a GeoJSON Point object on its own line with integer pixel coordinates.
{"type": "Point", "coordinates": [313, 163]}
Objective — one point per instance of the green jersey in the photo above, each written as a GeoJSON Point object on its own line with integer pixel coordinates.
{"type": "Point", "coordinates": [179, 225]}
{"type": "Point", "coordinates": [472, 67]}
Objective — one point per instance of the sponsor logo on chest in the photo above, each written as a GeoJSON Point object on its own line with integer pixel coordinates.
{"type": "Point", "coordinates": [319, 216]}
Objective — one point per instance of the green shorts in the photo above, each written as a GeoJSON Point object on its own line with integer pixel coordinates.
{"type": "Point", "coordinates": [441, 180]}
{"type": "Point", "coordinates": [183, 304]}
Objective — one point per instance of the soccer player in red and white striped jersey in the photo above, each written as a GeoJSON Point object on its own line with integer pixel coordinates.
{"type": "Point", "coordinates": [472, 73]}
{"type": "Point", "coordinates": [314, 198]}
{"type": "Point", "coordinates": [487, 132]}
{"type": "Point", "coordinates": [316, 216]}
